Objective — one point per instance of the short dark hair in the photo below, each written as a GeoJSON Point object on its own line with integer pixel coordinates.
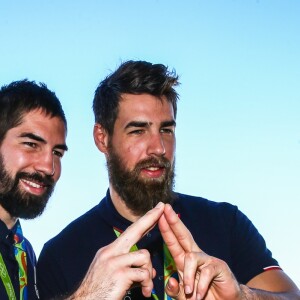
{"type": "Point", "coordinates": [132, 77]}
{"type": "Point", "coordinates": [21, 97]}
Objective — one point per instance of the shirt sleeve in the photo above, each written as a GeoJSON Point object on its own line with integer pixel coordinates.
{"type": "Point", "coordinates": [250, 253]}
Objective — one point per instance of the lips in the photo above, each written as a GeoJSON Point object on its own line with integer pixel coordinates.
{"type": "Point", "coordinates": [154, 168]}
{"type": "Point", "coordinates": [33, 184]}
{"type": "Point", "coordinates": [153, 171]}
{"type": "Point", "coordinates": [33, 187]}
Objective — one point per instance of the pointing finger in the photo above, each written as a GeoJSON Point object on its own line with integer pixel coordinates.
{"type": "Point", "coordinates": [137, 230]}
{"type": "Point", "coordinates": [180, 231]}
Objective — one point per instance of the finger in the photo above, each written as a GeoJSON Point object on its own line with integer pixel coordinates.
{"type": "Point", "coordinates": [174, 289]}
{"type": "Point", "coordinates": [137, 230]}
{"type": "Point", "coordinates": [215, 271]}
{"type": "Point", "coordinates": [140, 269]}
{"type": "Point", "coordinates": [171, 241]}
{"type": "Point", "coordinates": [137, 258]}
{"type": "Point", "coordinates": [142, 277]}
{"type": "Point", "coordinates": [192, 264]}
{"type": "Point", "coordinates": [180, 231]}
{"type": "Point", "coordinates": [131, 269]}
{"type": "Point", "coordinates": [140, 258]}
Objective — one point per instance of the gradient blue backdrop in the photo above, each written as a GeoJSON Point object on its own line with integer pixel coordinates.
{"type": "Point", "coordinates": [238, 133]}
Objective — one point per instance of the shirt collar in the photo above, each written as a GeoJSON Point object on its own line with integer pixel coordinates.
{"type": "Point", "coordinates": [5, 232]}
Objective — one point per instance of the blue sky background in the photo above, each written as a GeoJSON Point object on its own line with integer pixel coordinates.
{"type": "Point", "coordinates": [238, 132]}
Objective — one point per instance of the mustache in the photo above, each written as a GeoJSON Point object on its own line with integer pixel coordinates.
{"type": "Point", "coordinates": [45, 180]}
{"type": "Point", "coordinates": [160, 162]}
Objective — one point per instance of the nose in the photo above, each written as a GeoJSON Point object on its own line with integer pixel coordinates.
{"type": "Point", "coordinates": [45, 164]}
{"type": "Point", "coordinates": [156, 146]}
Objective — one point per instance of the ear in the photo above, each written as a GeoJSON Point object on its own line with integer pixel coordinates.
{"type": "Point", "coordinates": [100, 138]}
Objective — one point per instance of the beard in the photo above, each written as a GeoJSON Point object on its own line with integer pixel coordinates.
{"type": "Point", "coordinates": [141, 194]}
{"type": "Point", "coordinates": [22, 204]}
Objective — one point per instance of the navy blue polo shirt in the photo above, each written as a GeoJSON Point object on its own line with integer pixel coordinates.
{"type": "Point", "coordinates": [7, 252]}
{"type": "Point", "coordinates": [219, 229]}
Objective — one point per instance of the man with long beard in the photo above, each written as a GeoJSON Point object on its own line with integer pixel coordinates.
{"type": "Point", "coordinates": [135, 111]}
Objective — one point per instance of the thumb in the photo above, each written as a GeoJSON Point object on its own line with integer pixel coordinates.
{"type": "Point", "coordinates": [175, 290]}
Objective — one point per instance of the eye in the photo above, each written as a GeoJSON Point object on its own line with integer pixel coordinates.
{"type": "Point", "coordinates": [137, 131]}
{"type": "Point", "coordinates": [167, 130]}
{"type": "Point", "coordinates": [58, 153]}
{"type": "Point", "coordinates": [30, 144]}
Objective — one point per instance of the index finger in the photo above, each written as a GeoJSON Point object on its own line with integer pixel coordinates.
{"type": "Point", "coordinates": [137, 230]}
{"type": "Point", "coordinates": [180, 231]}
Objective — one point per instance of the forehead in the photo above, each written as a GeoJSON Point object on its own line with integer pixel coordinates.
{"type": "Point", "coordinates": [51, 129]}
{"type": "Point", "coordinates": [145, 107]}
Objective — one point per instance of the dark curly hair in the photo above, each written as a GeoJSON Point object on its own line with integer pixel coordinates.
{"type": "Point", "coordinates": [132, 77]}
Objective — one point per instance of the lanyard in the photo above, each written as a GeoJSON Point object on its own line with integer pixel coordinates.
{"type": "Point", "coordinates": [6, 280]}
{"type": "Point", "coordinates": [20, 255]}
{"type": "Point", "coordinates": [169, 265]}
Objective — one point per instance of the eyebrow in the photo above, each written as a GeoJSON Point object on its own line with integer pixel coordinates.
{"type": "Point", "coordinates": [147, 124]}
{"type": "Point", "coordinates": [168, 123]}
{"type": "Point", "coordinates": [37, 138]}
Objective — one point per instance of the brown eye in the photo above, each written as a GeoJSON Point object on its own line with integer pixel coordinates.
{"type": "Point", "coordinates": [137, 131]}
{"type": "Point", "coordinates": [58, 153]}
{"type": "Point", "coordinates": [30, 144]}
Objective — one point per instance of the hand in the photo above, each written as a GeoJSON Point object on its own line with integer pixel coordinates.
{"type": "Point", "coordinates": [114, 269]}
{"type": "Point", "coordinates": [201, 276]}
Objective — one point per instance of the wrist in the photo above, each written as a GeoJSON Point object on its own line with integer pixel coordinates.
{"type": "Point", "coordinates": [246, 293]}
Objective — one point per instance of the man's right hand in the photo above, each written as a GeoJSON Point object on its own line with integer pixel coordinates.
{"type": "Point", "coordinates": [115, 269]}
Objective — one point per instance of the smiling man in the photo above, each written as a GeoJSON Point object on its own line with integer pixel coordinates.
{"type": "Point", "coordinates": [32, 142]}
{"type": "Point", "coordinates": [213, 248]}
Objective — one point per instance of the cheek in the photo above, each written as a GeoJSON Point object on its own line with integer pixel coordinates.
{"type": "Point", "coordinates": [15, 161]}
{"type": "Point", "coordinates": [131, 155]}
{"type": "Point", "coordinates": [170, 149]}
{"type": "Point", "coordinates": [57, 171]}
{"type": "Point", "coordinates": [137, 151]}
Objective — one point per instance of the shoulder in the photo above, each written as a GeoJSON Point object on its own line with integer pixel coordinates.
{"type": "Point", "coordinates": [193, 204]}
{"type": "Point", "coordinates": [218, 218]}
{"type": "Point", "coordinates": [81, 227]}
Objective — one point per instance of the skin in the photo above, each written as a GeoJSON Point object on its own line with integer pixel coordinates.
{"type": "Point", "coordinates": [36, 145]}
{"type": "Point", "coordinates": [145, 127]}
{"type": "Point", "coordinates": [206, 277]}
{"type": "Point", "coordinates": [118, 268]}
{"type": "Point", "coordinates": [140, 131]}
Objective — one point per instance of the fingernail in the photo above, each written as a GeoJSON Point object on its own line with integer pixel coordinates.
{"type": "Point", "coordinates": [160, 204]}
{"type": "Point", "coordinates": [187, 289]}
{"type": "Point", "coordinates": [198, 297]}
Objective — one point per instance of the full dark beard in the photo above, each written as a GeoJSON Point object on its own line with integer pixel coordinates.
{"type": "Point", "coordinates": [140, 194]}
{"type": "Point", "coordinates": [19, 203]}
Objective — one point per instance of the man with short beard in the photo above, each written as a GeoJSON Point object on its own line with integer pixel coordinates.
{"type": "Point", "coordinates": [32, 142]}
{"type": "Point", "coordinates": [135, 113]}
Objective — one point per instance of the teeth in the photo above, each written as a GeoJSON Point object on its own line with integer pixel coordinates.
{"type": "Point", "coordinates": [33, 184]}
{"type": "Point", "coordinates": [153, 168]}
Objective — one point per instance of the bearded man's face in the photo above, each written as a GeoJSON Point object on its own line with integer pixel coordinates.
{"type": "Point", "coordinates": [140, 151]}
{"type": "Point", "coordinates": [30, 163]}
{"type": "Point", "coordinates": [18, 202]}
{"type": "Point", "coordinates": [140, 194]}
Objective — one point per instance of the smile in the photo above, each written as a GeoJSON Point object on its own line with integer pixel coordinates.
{"type": "Point", "coordinates": [33, 184]}
{"type": "Point", "coordinates": [153, 172]}
{"type": "Point", "coordinates": [153, 168]}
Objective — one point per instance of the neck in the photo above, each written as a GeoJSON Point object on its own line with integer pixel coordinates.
{"type": "Point", "coordinates": [121, 207]}
{"type": "Point", "coordinates": [7, 218]}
